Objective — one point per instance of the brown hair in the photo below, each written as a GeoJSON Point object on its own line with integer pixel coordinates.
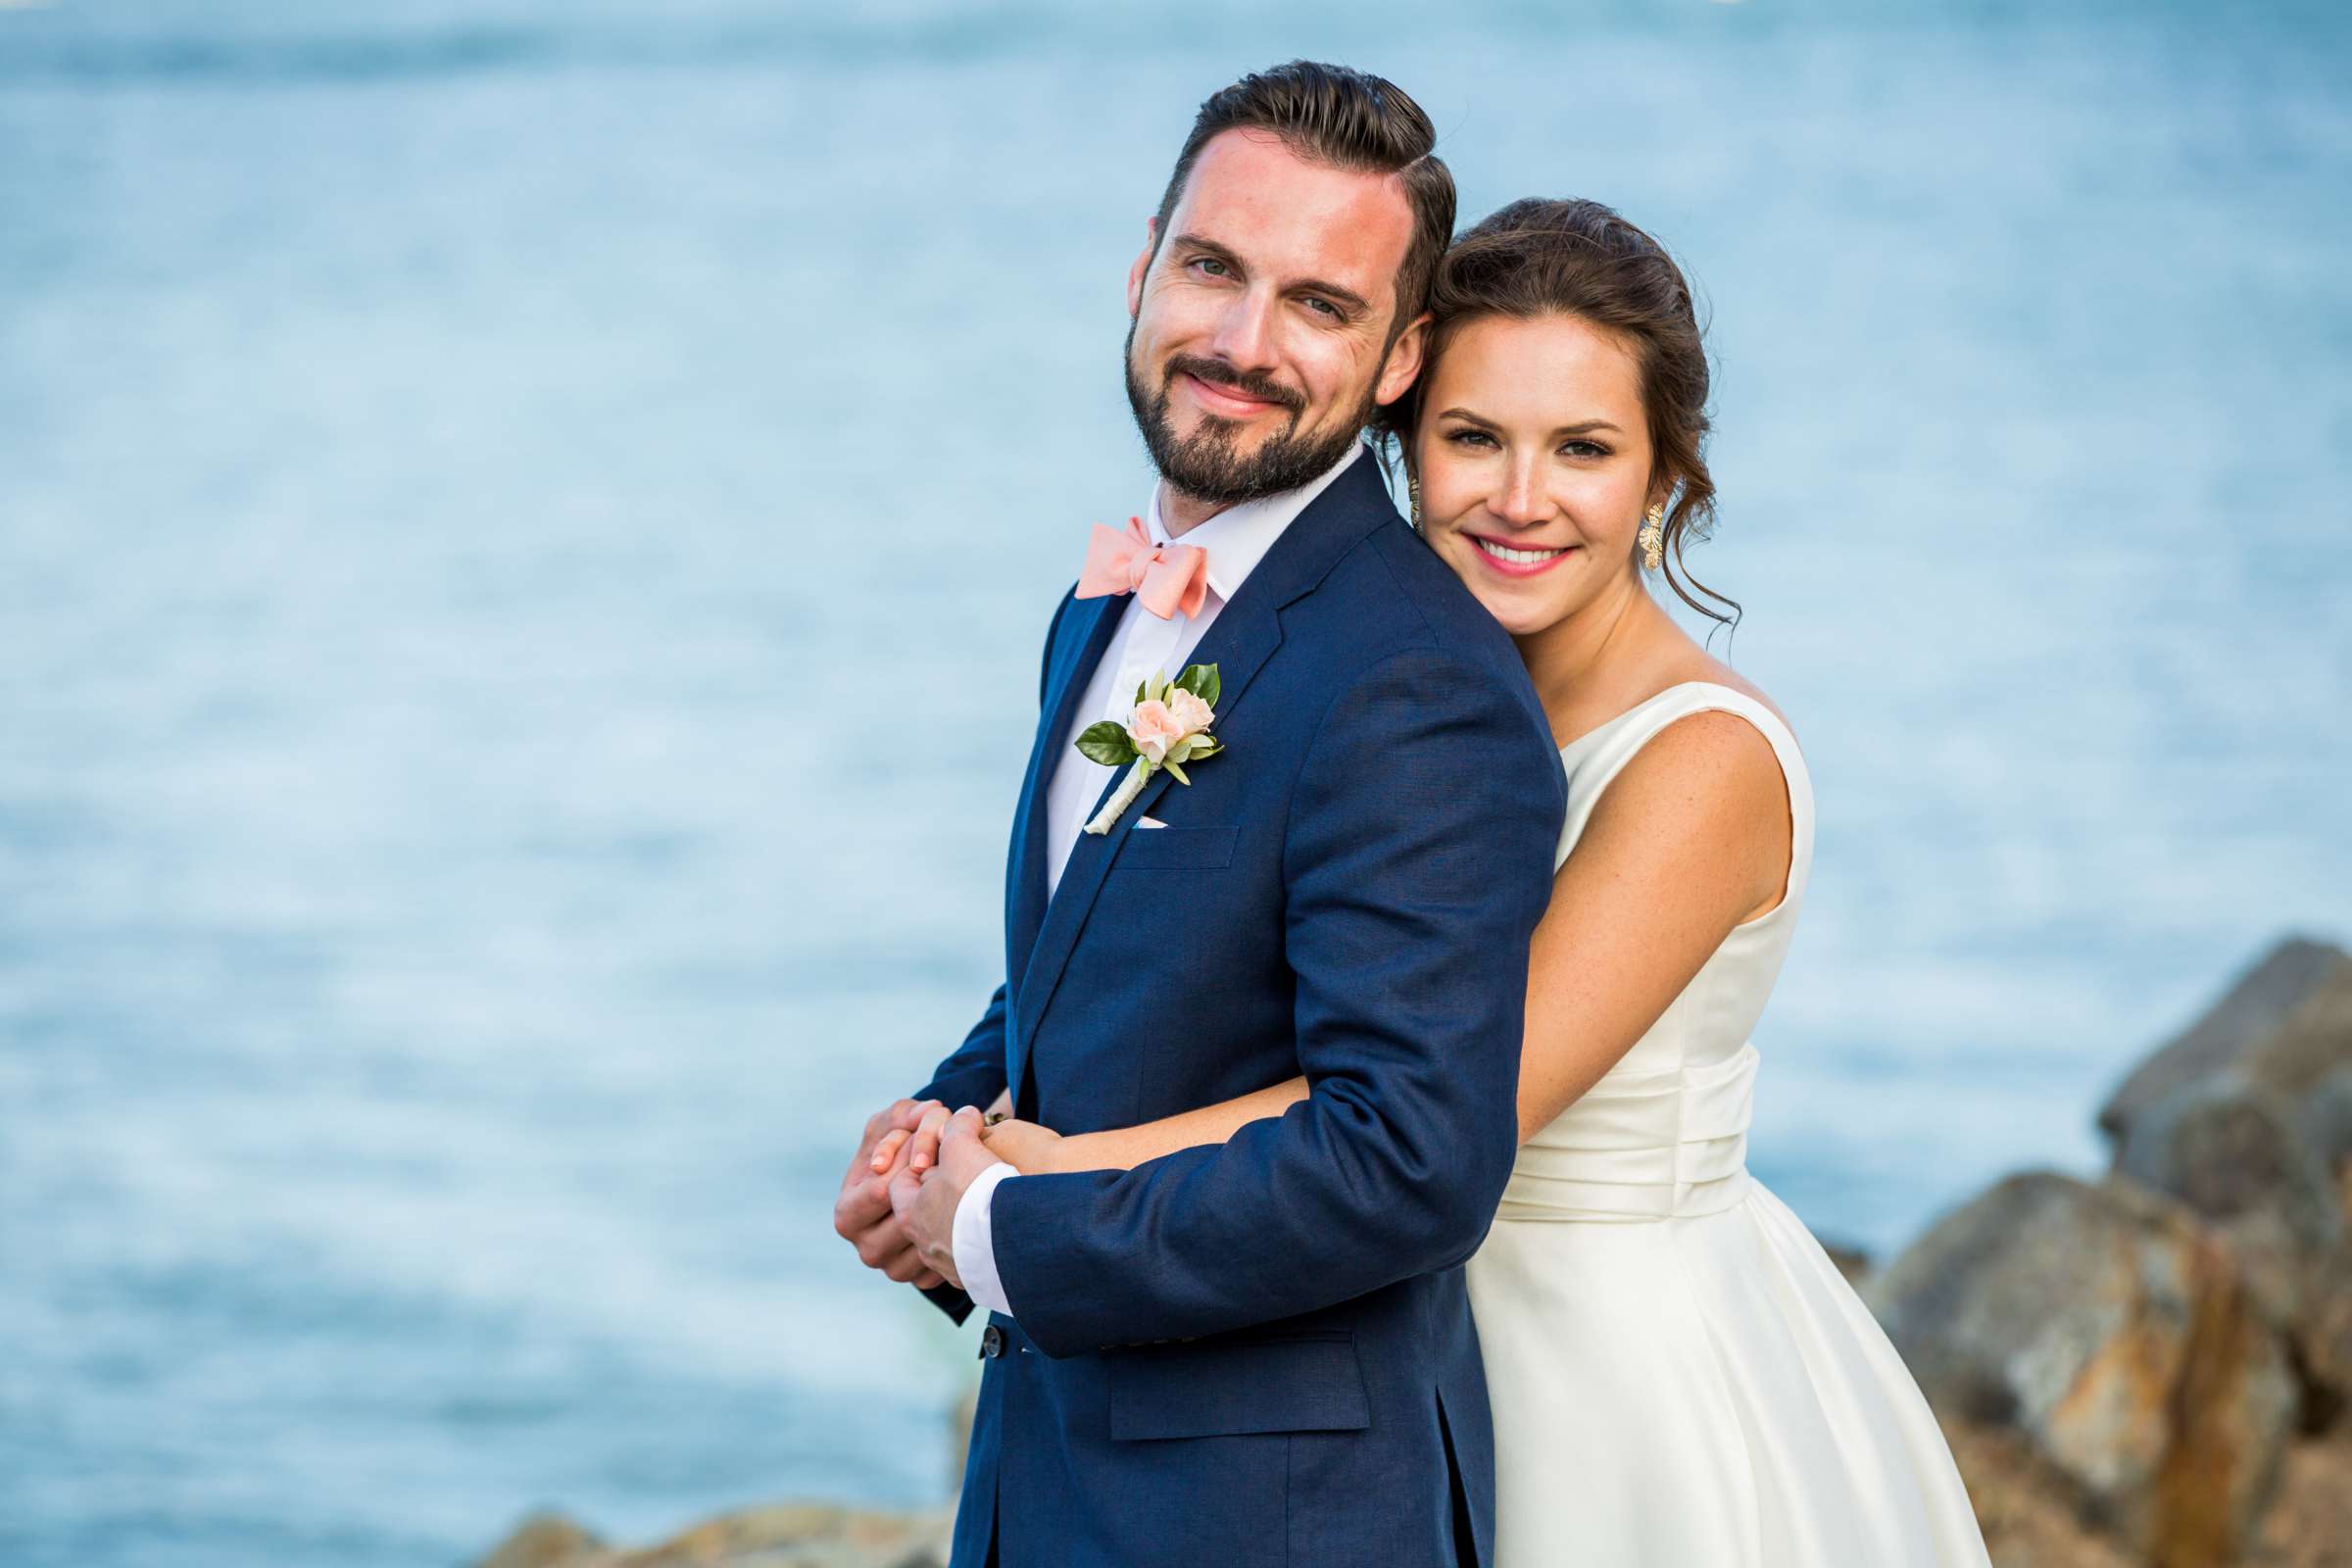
{"type": "Point", "coordinates": [1348, 120]}
{"type": "Point", "coordinates": [1537, 258]}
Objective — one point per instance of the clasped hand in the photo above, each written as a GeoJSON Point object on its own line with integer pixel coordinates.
{"type": "Point", "coordinates": [899, 1194]}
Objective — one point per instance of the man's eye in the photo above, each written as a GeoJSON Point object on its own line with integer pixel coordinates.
{"type": "Point", "coordinates": [1211, 266]}
{"type": "Point", "coordinates": [1314, 303]}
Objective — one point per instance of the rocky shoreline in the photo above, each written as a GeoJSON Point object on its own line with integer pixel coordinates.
{"type": "Point", "coordinates": [2151, 1370]}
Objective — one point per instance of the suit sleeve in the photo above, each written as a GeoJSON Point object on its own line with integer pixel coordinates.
{"type": "Point", "coordinates": [974, 1072]}
{"type": "Point", "coordinates": [1417, 860]}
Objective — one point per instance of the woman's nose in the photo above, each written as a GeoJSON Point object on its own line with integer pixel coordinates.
{"type": "Point", "coordinates": [1520, 502]}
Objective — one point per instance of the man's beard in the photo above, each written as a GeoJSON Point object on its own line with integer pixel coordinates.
{"type": "Point", "coordinates": [1207, 465]}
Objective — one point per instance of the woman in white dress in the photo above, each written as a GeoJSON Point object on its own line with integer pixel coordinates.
{"type": "Point", "coordinates": [1680, 1376]}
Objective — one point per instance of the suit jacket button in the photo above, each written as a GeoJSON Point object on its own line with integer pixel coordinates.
{"type": "Point", "coordinates": [992, 1343]}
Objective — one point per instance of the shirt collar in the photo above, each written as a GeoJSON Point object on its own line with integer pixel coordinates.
{"type": "Point", "coordinates": [1238, 538]}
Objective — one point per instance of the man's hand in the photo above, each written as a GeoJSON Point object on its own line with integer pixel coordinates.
{"type": "Point", "coordinates": [863, 1216]}
{"type": "Point", "coordinates": [925, 1205]}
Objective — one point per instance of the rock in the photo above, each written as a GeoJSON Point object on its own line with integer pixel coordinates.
{"type": "Point", "coordinates": [811, 1535]}
{"type": "Point", "coordinates": [2323, 1343]}
{"type": "Point", "coordinates": [2307, 1060]}
{"type": "Point", "coordinates": [2262, 1148]}
{"type": "Point", "coordinates": [542, 1540]}
{"type": "Point", "coordinates": [2026, 1510]}
{"type": "Point", "coordinates": [2323, 1118]}
{"type": "Point", "coordinates": [2262, 1000]}
{"type": "Point", "coordinates": [798, 1536]}
{"type": "Point", "coordinates": [2310, 1525]}
{"type": "Point", "coordinates": [2228, 1150]}
{"type": "Point", "coordinates": [1853, 1261]}
{"type": "Point", "coordinates": [2113, 1331]}
{"type": "Point", "coordinates": [801, 1535]}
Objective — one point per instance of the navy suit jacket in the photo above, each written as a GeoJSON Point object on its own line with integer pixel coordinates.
{"type": "Point", "coordinates": [1262, 1352]}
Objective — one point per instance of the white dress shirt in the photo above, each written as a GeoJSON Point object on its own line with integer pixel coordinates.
{"type": "Point", "coordinates": [1236, 539]}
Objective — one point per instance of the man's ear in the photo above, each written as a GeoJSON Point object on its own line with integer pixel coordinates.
{"type": "Point", "coordinates": [1143, 265]}
{"type": "Point", "coordinates": [1403, 364]}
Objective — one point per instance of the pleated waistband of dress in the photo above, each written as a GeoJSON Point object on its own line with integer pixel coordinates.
{"type": "Point", "coordinates": [1646, 1146]}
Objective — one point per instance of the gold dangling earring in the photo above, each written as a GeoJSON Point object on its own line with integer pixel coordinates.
{"type": "Point", "coordinates": [1412, 490]}
{"type": "Point", "coordinates": [1652, 537]}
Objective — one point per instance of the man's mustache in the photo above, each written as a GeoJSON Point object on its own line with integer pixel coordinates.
{"type": "Point", "coordinates": [1249, 384]}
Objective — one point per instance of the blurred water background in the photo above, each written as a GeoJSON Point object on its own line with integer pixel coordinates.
{"type": "Point", "coordinates": [524, 531]}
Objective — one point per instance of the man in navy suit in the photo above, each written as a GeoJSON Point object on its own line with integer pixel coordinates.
{"type": "Point", "coordinates": [1259, 1351]}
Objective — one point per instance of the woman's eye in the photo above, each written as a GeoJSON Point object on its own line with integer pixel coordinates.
{"type": "Point", "coordinates": [1585, 449]}
{"type": "Point", "coordinates": [1469, 438]}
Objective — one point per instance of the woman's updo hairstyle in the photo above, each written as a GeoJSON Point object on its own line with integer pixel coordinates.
{"type": "Point", "coordinates": [1537, 258]}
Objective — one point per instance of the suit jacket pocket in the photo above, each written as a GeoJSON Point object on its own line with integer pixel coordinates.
{"type": "Point", "coordinates": [1218, 1389]}
{"type": "Point", "coordinates": [1176, 849]}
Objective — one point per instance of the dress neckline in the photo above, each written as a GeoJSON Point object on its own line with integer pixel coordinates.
{"type": "Point", "coordinates": [1602, 729]}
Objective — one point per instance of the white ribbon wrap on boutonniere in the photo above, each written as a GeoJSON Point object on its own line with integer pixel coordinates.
{"type": "Point", "coordinates": [1167, 727]}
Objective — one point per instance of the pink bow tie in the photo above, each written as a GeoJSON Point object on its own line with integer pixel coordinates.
{"type": "Point", "coordinates": [1164, 578]}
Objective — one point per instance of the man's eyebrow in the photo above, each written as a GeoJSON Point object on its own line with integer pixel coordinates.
{"type": "Point", "coordinates": [1345, 296]}
{"type": "Point", "coordinates": [1206, 246]}
{"type": "Point", "coordinates": [1209, 247]}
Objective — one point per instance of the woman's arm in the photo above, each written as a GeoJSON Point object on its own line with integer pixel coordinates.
{"type": "Point", "coordinates": [1035, 1151]}
{"type": "Point", "coordinates": [1690, 838]}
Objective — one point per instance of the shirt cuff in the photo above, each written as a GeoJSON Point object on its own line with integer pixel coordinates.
{"type": "Point", "coordinates": [974, 1244]}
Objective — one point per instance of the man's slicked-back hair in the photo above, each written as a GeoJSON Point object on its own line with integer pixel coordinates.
{"type": "Point", "coordinates": [1348, 119]}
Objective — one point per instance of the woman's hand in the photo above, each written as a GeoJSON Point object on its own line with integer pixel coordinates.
{"type": "Point", "coordinates": [923, 1134]}
{"type": "Point", "coordinates": [1027, 1148]}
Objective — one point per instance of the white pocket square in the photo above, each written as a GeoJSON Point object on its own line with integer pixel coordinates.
{"type": "Point", "coordinates": [1149, 821]}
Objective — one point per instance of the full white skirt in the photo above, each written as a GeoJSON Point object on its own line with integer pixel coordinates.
{"type": "Point", "coordinates": [1704, 1392]}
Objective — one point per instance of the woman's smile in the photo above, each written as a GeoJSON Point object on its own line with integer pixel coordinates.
{"type": "Point", "coordinates": [1518, 560]}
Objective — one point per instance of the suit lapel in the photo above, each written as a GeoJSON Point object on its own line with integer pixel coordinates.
{"type": "Point", "coordinates": [1241, 640]}
{"type": "Point", "coordinates": [1092, 624]}
{"type": "Point", "coordinates": [1239, 643]}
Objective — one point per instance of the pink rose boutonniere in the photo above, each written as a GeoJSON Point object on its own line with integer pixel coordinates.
{"type": "Point", "coordinates": [1167, 727]}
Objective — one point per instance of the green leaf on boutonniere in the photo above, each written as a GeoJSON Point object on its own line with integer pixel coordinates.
{"type": "Point", "coordinates": [1143, 690]}
{"type": "Point", "coordinates": [1194, 747]}
{"type": "Point", "coordinates": [1201, 681]}
{"type": "Point", "coordinates": [1177, 769]}
{"type": "Point", "coordinates": [1107, 743]}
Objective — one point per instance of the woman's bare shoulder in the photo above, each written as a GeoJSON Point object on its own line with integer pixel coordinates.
{"type": "Point", "coordinates": [1697, 665]}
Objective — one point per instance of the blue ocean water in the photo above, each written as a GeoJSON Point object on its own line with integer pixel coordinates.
{"type": "Point", "coordinates": [525, 530]}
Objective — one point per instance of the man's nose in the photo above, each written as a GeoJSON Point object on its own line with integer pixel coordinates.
{"type": "Point", "coordinates": [1245, 336]}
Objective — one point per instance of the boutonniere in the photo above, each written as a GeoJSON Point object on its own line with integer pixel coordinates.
{"type": "Point", "coordinates": [1167, 727]}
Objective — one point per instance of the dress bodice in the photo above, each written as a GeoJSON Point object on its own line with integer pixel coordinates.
{"type": "Point", "coordinates": [1664, 1133]}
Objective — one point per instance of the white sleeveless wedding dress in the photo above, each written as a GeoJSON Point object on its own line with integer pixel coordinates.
{"type": "Point", "coordinates": [1680, 1376]}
